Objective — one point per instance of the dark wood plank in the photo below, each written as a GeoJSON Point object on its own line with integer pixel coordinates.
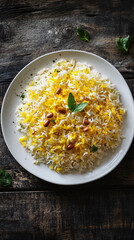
{"type": "Point", "coordinates": [130, 83]}
{"type": "Point", "coordinates": [67, 215]}
{"type": "Point", "coordinates": [99, 210]}
{"type": "Point", "coordinates": [60, 8]}
{"type": "Point", "coordinates": [30, 30]}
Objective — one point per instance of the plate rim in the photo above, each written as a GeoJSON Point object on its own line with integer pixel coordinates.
{"type": "Point", "coordinates": [36, 174]}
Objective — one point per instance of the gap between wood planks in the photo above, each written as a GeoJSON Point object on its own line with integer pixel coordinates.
{"type": "Point", "coordinates": [69, 189]}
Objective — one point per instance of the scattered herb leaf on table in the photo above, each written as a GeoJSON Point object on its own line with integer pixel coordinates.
{"type": "Point", "coordinates": [83, 34]}
{"type": "Point", "coordinates": [124, 44]}
{"type": "Point", "coordinates": [5, 178]}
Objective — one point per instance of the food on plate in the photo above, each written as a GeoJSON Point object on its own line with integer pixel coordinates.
{"type": "Point", "coordinates": [70, 117]}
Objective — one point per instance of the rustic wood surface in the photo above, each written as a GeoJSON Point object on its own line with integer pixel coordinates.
{"type": "Point", "coordinates": [35, 209]}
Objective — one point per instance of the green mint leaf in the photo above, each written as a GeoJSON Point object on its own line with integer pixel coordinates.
{"type": "Point", "coordinates": [56, 70]}
{"type": "Point", "coordinates": [83, 34]}
{"type": "Point", "coordinates": [22, 96]}
{"type": "Point", "coordinates": [93, 148]}
{"type": "Point", "coordinates": [5, 178]}
{"type": "Point", "coordinates": [71, 102]}
{"type": "Point", "coordinates": [80, 107]}
{"type": "Point", "coordinates": [53, 121]}
{"type": "Point", "coordinates": [124, 44]}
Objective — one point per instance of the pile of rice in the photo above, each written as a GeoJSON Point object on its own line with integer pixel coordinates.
{"type": "Point", "coordinates": [104, 113]}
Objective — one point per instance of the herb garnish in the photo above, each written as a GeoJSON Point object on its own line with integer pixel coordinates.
{"type": "Point", "coordinates": [73, 107]}
{"type": "Point", "coordinates": [124, 44]}
{"type": "Point", "coordinates": [93, 148]}
{"type": "Point", "coordinates": [71, 102]}
{"type": "Point", "coordinates": [56, 70]}
{"type": "Point", "coordinates": [83, 34]}
{"type": "Point", "coordinates": [53, 121]}
{"type": "Point", "coordinates": [5, 178]}
{"type": "Point", "coordinates": [22, 96]}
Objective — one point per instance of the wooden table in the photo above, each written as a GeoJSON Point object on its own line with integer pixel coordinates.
{"type": "Point", "coordinates": [35, 209]}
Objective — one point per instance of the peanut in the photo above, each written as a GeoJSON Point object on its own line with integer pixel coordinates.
{"type": "Point", "coordinates": [46, 123]}
{"type": "Point", "coordinates": [58, 91]}
{"type": "Point", "coordinates": [33, 132]}
{"type": "Point", "coordinates": [86, 122]}
{"type": "Point", "coordinates": [86, 129]}
{"type": "Point", "coordinates": [86, 98]}
{"type": "Point", "coordinates": [62, 110]}
{"type": "Point", "coordinates": [70, 146]}
{"type": "Point", "coordinates": [49, 115]}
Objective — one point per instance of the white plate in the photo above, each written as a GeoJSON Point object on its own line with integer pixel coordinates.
{"type": "Point", "coordinates": [11, 101]}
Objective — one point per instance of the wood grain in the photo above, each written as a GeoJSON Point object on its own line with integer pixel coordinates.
{"type": "Point", "coordinates": [67, 215]}
{"type": "Point", "coordinates": [34, 209]}
{"type": "Point", "coordinates": [27, 33]}
{"type": "Point", "coordinates": [58, 8]}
